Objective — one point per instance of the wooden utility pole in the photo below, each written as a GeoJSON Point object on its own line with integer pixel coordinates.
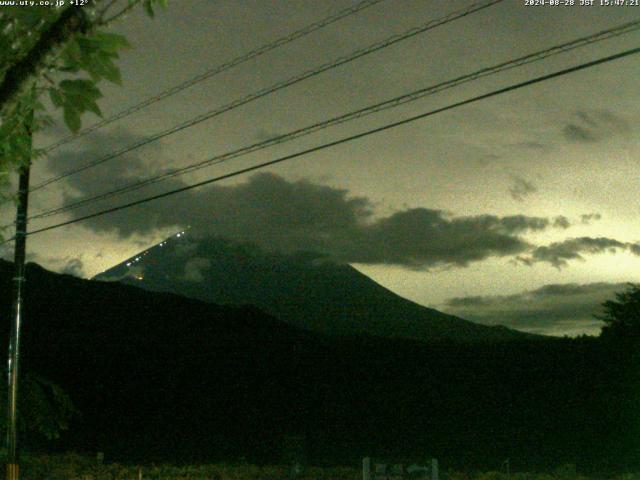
{"type": "Point", "coordinates": [19, 279]}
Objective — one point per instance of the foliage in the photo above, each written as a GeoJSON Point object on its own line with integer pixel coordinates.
{"type": "Point", "coordinates": [150, 6]}
{"type": "Point", "coordinates": [49, 52]}
{"type": "Point", "coordinates": [73, 466]}
{"type": "Point", "coordinates": [622, 315]}
{"type": "Point", "coordinates": [15, 144]}
{"type": "Point", "coordinates": [492, 476]}
{"type": "Point", "coordinates": [45, 408]}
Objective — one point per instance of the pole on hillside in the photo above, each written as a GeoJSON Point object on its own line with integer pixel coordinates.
{"type": "Point", "coordinates": [17, 315]}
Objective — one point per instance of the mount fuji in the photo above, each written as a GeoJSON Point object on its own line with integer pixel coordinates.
{"type": "Point", "coordinates": [304, 290]}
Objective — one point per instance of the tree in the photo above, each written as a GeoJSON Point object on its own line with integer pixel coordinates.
{"type": "Point", "coordinates": [46, 409]}
{"type": "Point", "coordinates": [63, 53]}
{"type": "Point", "coordinates": [60, 52]}
{"type": "Point", "coordinates": [622, 315]}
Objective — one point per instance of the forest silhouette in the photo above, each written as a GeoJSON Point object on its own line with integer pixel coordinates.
{"type": "Point", "coordinates": [159, 377]}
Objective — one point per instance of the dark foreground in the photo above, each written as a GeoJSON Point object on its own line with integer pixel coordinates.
{"type": "Point", "coordinates": [72, 466]}
{"type": "Point", "coordinates": [161, 378]}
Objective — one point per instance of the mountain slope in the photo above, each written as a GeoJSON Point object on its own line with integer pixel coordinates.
{"type": "Point", "coordinates": [302, 290]}
{"type": "Point", "coordinates": [146, 367]}
{"type": "Point", "coordinates": [160, 377]}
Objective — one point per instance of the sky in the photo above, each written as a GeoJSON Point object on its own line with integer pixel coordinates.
{"type": "Point", "coordinates": [518, 210]}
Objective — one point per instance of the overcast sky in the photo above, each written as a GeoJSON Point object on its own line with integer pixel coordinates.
{"type": "Point", "coordinates": [520, 209]}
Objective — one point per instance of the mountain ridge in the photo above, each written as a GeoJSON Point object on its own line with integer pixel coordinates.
{"type": "Point", "coordinates": [303, 289]}
{"type": "Point", "coordinates": [160, 377]}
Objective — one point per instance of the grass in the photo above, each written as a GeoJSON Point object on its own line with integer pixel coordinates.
{"type": "Point", "coordinates": [77, 467]}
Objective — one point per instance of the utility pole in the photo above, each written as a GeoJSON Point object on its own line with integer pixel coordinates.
{"type": "Point", "coordinates": [17, 314]}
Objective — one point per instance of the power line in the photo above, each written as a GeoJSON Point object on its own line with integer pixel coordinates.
{"type": "Point", "coordinates": [218, 69]}
{"type": "Point", "coordinates": [394, 102]}
{"type": "Point", "coordinates": [334, 143]}
{"type": "Point", "coordinates": [477, 6]}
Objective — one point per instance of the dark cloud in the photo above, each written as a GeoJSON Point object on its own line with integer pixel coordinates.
{"type": "Point", "coordinates": [301, 216]}
{"type": "Point", "coordinates": [554, 309]}
{"type": "Point", "coordinates": [587, 218]}
{"type": "Point", "coordinates": [559, 254]}
{"type": "Point", "coordinates": [288, 216]}
{"type": "Point", "coordinates": [194, 268]}
{"type": "Point", "coordinates": [423, 238]}
{"type": "Point", "coordinates": [514, 223]}
{"type": "Point", "coordinates": [521, 188]}
{"type": "Point", "coordinates": [561, 222]}
{"type": "Point", "coordinates": [576, 133]}
{"type": "Point", "coordinates": [594, 126]}
{"type": "Point", "coordinates": [531, 146]}
{"type": "Point", "coordinates": [110, 174]}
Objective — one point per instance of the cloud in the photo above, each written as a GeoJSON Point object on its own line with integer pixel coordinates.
{"type": "Point", "coordinates": [576, 133]}
{"type": "Point", "coordinates": [521, 188]}
{"type": "Point", "coordinates": [291, 216]}
{"type": "Point", "coordinates": [6, 250]}
{"type": "Point", "coordinates": [108, 175]}
{"type": "Point", "coordinates": [561, 222]}
{"type": "Point", "coordinates": [66, 265]}
{"type": "Point", "coordinates": [193, 269]}
{"type": "Point", "coordinates": [559, 254]}
{"type": "Point", "coordinates": [587, 218]}
{"type": "Point", "coordinates": [423, 238]}
{"type": "Point", "coordinates": [286, 216]}
{"type": "Point", "coordinates": [73, 267]}
{"type": "Point", "coordinates": [553, 309]}
{"type": "Point", "coordinates": [594, 126]}
{"type": "Point", "coordinates": [531, 145]}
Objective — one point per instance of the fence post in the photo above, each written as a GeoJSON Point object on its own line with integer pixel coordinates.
{"type": "Point", "coordinates": [434, 469]}
{"type": "Point", "coordinates": [366, 468]}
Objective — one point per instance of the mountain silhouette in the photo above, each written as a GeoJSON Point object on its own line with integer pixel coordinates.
{"type": "Point", "coordinates": [156, 375]}
{"type": "Point", "coordinates": [303, 289]}
{"type": "Point", "coordinates": [164, 378]}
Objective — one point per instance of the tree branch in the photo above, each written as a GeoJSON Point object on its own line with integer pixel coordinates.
{"type": "Point", "coordinates": [20, 76]}
{"type": "Point", "coordinates": [122, 12]}
{"type": "Point", "coordinates": [104, 10]}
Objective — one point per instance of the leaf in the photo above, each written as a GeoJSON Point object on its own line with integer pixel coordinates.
{"type": "Point", "coordinates": [56, 97]}
{"type": "Point", "coordinates": [148, 7]}
{"type": "Point", "coordinates": [82, 88]}
{"type": "Point", "coordinates": [30, 18]}
{"type": "Point", "coordinates": [88, 45]}
{"type": "Point", "coordinates": [103, 67]}
{"type": "Point", "coordinates": [72, 119]}
{"type": "Point", "coordinates": [94, 53]}
{"type": "Point", "coordinates": [8, 127]}
{"type": "Point", "coordinates": [70, 56]}
{"type": "Point", "coordinates": [113, 75]}
{"type": "Point", "coordinates": [150, 4]}
{"type": "Point", "coordinates": [111, 42]}
{"type": "Point", "coordinates": [93, 107]}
